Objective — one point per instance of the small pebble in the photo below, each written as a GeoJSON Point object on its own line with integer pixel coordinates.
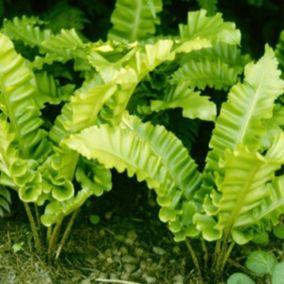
{"type": "Point", "coordinates": [176, 249]}
{"type": "Point", "coordinates": [108, 252]}
{"type": "Point", "coordinates": [125, 276]}
{"type": "Point", "coordinates": [129, 267]}
{"type": "Point", "coordinates": [129, 259]}
{"type": "Point", "coordinates": [113, 276]}
{"type": "Point", "coordinates": [178, 279]}
{"type": "Point", "coordinates": [102, 232]}
{"type": "Point", "coordinates": [132, 235]}
{"type": "Point", "coordinates": [150, 279]}
{"type": "Point", "coordinates": [123, 250]}
{"type": "Point", "coordinates": [139, 251]}
{"type": "Point", "coordinates": [120, 237]}
{"type": "Point", "coordinates": [159, 251]}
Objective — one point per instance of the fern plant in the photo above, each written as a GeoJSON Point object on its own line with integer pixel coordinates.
{"type": "Point", "coordinates": [58, 161]}
{"type": "Point", "coordinates": [238, 195]}
{"type": "Point", "coordinates": [34, 162]}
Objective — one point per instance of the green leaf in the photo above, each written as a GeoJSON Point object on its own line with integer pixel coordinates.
{"type": "Point", "coordinates": [61, 47]}
{"type": "Point", "coordinates": [17, 247]}
{"type": "Point", "coordinates": [52, 214]}
{"type": "Point", "coordinates": [278, 231]}
{"type": "Point", "coordinates": [272, 206]}
{"type": "Point", "coordinates": [18, 87]}
{"type": "Point", "coordinates": [64, 16]}
{"type": "Point", "coordinates": [4, 204]}
{"type": "Point", "coordinates": [261, 262]}
{"type": "Point", "coordinates": [243, 187]}
{"type": "Point", "coordinates": [207, 225]}
{"type": "Point", "coordinates": [279, 51]}
{"type": "Point", "coordinates": [202, 73]}
{"type": "Point", "coordinates": [63, 43]}
{"type": "Point", "coordinates": [94, 180]}
{"type": "Point", "coordinates": [83, 109]}
{"type": "Point", "coordinates": [50, 91]}
{"type": "Point", "coordinates": [193, 105]}
{"type": "Point", "coordinates": [209, 5]}
{"type": "Point", "coordinates": [212, 28]}
{"type": "Point", "coordinates": [93, 177]}
{"type": "Point", "coordinates": [94, 219]}
{"type": "Point", "coordinates": [5, 194]}
{"type": "Point", "coordinates": [16, 172]}
{"type": "Point", "coordinates": [227, 53]}
{"type": "Point", "coordinates": [261, 238]}
{"type": "Point", "coordinates": [27, 29]}
{"type": "Point", "coordinates": [278, 273]}
{"type": "Point", "coordinates": [134, 19]}
{"type": "Point", "coordinates": [239, 278]}
{"type": "Point", "coordinates": [245, 196]}
{"type": "Point", "coordinates": [152, 153]}
{"type": "Point", "coordinates": [240, 120]}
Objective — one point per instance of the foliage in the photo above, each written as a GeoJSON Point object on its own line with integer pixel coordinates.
{"type": "Point", "coordinates": [5, 201]}
{"type": "Point", "coordinates": [72, 109]}
{"type": "Point", "coordinates": [261, 263]}
{"type": "Point", "coordinates": [134, 20]}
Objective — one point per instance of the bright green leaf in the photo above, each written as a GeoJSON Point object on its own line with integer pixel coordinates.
{"type": "Point", "coordinates": [261, 262]}
{"type": "Point", "coordinates": [239, 278]}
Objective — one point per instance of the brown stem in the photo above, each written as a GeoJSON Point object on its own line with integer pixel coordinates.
{"type": "Point", "coordinates": [48, 234]}
{"type": "Point", "coordinates": [37, 215]}
{"type": "Point", "coordinates": [226, 256]}
{"type": "Point", "coordinates": [241, 267]}
{"type": "Point", "coordinates": [66, 233]}
{"type": "Point", "coordinates": [35, 233]}
{"type": "Point", "coordinates": [53, 238]}
{"type": "Point", "coordinates": [216, 254]}
{"type": "Point", "coordinates": [194, 257]}
{"type": "Point", "coordinates": [206, 255]}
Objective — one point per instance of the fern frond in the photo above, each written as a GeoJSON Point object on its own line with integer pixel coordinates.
{"type": "Point", "coordinates": [15, 172]}
{"type": "Point", "coordinates": [278, 115]}
{"type": "Point", "coordinates": [49, 90]}
{"type": "Point", "coordinates": [134, 19]}
{"type": "Point", "coordinates": [94, 180]}
{"type": "Point", "coordinates": [27, 29]}
{"type": "Point", "coordinates": [86, 104]}
{"type": "Point", "coordinates": [18, 87]}
{"type": "Point", "coordinates": [64, 16]}
{"type": "Point", "coordinates": [60, 48]}
{"type": "Point", "coordinates": [227, 53]}
{"type": "Point", "coordinates": [244, 188]}
{"type": "Point", "coordinates": [240, 120]}
{"type": "Point", "coordinates": [279, 51]}
{"type": "Point", "coordinates": [217, 66]}
{"type": "Point", "coordinates": [202, 73]}
{"type": "Point", "coordinates": [5, 201]}
{"type": "Point", "coordinates": [152, 153]}
{"type": "Point", "coordinates": [193, 105]}
{"type": "Point", "coordinates": [272, 206]}
{"type": "Point", "coordinates": [143, 61]}
{"type": "Point", "coordinates": [209, 5]}
{"type": "Point", "coordinates": [212, 28]}
{"type": "Point", "coordinates": [66, 40]}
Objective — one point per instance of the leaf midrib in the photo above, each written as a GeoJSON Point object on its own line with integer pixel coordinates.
{"type": "Point", "coordinates": [249, 114]}
{"type": "Point", "coordinates": [136, 21]}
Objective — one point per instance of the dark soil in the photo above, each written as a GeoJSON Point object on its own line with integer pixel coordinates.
{"type": "Point", "coordinates": [128, 245]}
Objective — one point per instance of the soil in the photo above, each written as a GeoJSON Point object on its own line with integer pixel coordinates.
{"type": "Point", "coordinates": [129, 245]}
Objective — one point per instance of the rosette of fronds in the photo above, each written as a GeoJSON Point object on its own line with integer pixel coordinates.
{"type": "Point", "coordinates": [240, 171]}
